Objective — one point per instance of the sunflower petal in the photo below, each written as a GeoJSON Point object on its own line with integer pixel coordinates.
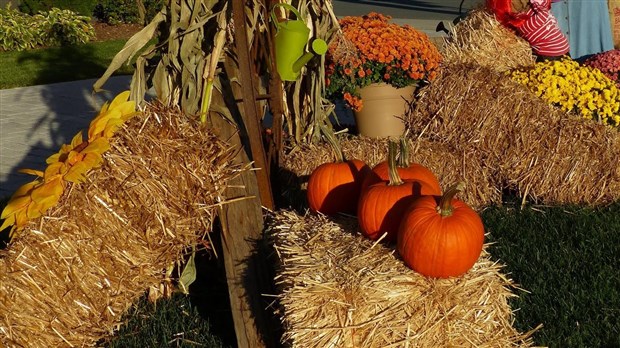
{"type": "Point", "coordinates": [31, 172]}
{"type": "Point", "coordinates": [77, 140]}
{"type": "Point", "coordinates": [119, 99]}
{"type": "Point", "coordinates": [49, 191]}
{"type": "Point", "coordinates": [98, 146]}
{"type": "Point", "coordinates": [15, 205]}
{"type": "Point", "coordinates": [9, 221]}
{"type": "Point", "coordinates": [25, 189]}
{"type": "Point", "coordinates": [76, 173]}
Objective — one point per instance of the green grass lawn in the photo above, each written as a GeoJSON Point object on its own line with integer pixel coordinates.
{"type": "Point", "coordinates": [568, 258]}
{"type": "Point", "coordinates": [58, 64]}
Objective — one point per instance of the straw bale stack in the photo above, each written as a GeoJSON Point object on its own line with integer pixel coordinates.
{"type": "Point", "coordinates": [448, 166]}
{"type": "Point", "coordinates": [70, 276]}
{"type": "Point", "coordinates": [481, 39]}
{"type": "Point", "coordinates": [339, 289]}
{"type": "Point", "coordinates": [528, 145]}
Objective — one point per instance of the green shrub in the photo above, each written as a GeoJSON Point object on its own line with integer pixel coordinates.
{"type": "Point", "coordinates": [33, 7]}
{"type": "Point", "coordinates": [117, 11]}
{"type": "Point", "coordinates": [64, 27]}
{"type": "Point", "coordinates": [20, 31]}
{"type": "Point", "coordinates": [126, 11]}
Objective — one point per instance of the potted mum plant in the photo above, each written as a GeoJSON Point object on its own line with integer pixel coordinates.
{"type": "Point", "coordinates": [375, 66]}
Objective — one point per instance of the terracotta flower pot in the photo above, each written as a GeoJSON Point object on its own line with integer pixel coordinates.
{"type": "Point", "coordinates": [383, 110]}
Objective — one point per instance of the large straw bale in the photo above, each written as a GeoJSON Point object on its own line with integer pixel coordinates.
{"type": "Point", "coordinates": [481, 39]}
{"type": "Point", "coordinates": [70, 276]}
{"type": "Point", "coordinates": [538, 150]}
{"type": "Point", "coordinates": [339, 289]}
{"type": "Point", "coordinates": [449, 166]}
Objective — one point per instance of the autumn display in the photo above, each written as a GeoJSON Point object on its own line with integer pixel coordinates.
{"type": "Point", "coordinates": [370, 50]}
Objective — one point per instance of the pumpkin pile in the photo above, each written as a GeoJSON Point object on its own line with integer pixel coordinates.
{"type": "Point", "coordinates": [399, 201]}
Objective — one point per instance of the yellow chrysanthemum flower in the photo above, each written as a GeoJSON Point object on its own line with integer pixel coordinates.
{"type": "Point", "coordinates": [573, 88]}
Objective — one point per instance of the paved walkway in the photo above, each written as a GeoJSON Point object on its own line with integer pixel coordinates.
{"type": "Point", "coordinates": [36, 121]}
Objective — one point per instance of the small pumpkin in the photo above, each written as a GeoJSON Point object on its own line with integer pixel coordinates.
{"type": "Point", "coordinates": [382, 205]}
{"type": "Point", "coordinates": [440, 237]}
{"type": "Point", "coordinates": [407, 170]}
{"type": "Point", "coordinates": [335, 187]}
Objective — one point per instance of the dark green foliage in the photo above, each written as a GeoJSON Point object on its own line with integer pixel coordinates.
{"type": "Point", "coordinates": [83, 7]}
{"type": "Point", "coordinates": [568, 258]}
{"type": "Point", "coordinates": [126, 11]}
{"type": "Point", "coordinates": [174, 322]}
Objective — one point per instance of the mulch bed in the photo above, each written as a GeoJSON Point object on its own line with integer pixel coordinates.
{"type": "Point", "coordinates": [107, 32]}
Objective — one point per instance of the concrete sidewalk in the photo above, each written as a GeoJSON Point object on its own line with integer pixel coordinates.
{"type": "Point", "coordinates": [35, 121]}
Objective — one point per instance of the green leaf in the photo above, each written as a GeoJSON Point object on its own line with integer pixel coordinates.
{"type": "Point", "coordinates": [188, 276]}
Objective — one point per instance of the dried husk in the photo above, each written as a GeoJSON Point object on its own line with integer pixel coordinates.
{"type": "Point", "coordinates": [70, 276]}
{"type": "Point", "coordinates": [339, 289]}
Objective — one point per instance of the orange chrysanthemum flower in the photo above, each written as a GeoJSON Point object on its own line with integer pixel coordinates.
{"type": "Point", "coordinates": [370, 49]}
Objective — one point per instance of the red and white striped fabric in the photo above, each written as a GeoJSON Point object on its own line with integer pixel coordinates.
{"type": "Point", "coordinates": [541, 30]}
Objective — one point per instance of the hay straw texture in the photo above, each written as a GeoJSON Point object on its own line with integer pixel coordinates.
{"type": "Point", "coordinates": [338, 289]}
{"type": "Point", "coordinates": [70, 276]}
{"type": "Point", "coordinates": [481, 39]}
{"type": "Point", "coordinates": [527, 145]}
{"type": "Point", "coordinates": [448, 166]}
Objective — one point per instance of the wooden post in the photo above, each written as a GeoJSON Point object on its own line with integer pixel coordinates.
{"type": "Point", "coordinates": [247, 270]}
{"type": "Point", "coordinates": [251, 115]}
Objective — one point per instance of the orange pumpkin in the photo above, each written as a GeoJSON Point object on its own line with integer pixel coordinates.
{"type": "Point", "coordinates": [335, 187]}
{"type": "Point", "coordinates": [382, 205]}
{"type": "Point", "coordinates": [440, 237]}
{"type": "Point", "coordinates": [406, 170]}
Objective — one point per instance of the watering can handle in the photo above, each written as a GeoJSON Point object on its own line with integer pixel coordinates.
{"type": "Point", "coordinates": [286, 6]}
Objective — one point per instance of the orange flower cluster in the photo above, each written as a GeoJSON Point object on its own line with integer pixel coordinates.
{"type": "Point", "coordinates": [70, 164]}
{"type": "Point", "coordinates": [372, 50]}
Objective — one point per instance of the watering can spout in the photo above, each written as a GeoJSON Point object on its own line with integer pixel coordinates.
{"type": "Point", "coordinates": [318, 47]}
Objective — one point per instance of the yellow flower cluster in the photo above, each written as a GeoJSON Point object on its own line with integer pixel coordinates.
{"type": "Point", "coordinates": [70, 164]}
{"type": "Point", "coordinates": [574, 88]}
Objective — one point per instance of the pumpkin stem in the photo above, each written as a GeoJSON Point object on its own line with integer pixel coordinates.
{"type": "Point", "coordinates": [328, 132]}
{"type": "Point", "coordinates": [403, 158]}
{"type": "Point", "coordinates": [395, 179]}
{"type": "Point", "coordinates": [445, 203]}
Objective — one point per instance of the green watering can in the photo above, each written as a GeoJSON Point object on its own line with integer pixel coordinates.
{"type": "Point", "coordinates": [291, 39]}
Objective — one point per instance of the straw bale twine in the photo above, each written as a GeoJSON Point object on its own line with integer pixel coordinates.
{"type": "Point", "coordinates": [449, 166]}
{"type": "Point", "coordinates": [481, 39]}
{"type": "Point", "coordinates": [70, 276]}
{"type": "Point", "coordinates": [528, 145]}
{"type": "Point", "coordinates": [339, 289]}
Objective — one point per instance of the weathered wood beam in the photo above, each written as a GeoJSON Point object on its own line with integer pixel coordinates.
{"type": "Point", "coordinates": [251, 114]}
